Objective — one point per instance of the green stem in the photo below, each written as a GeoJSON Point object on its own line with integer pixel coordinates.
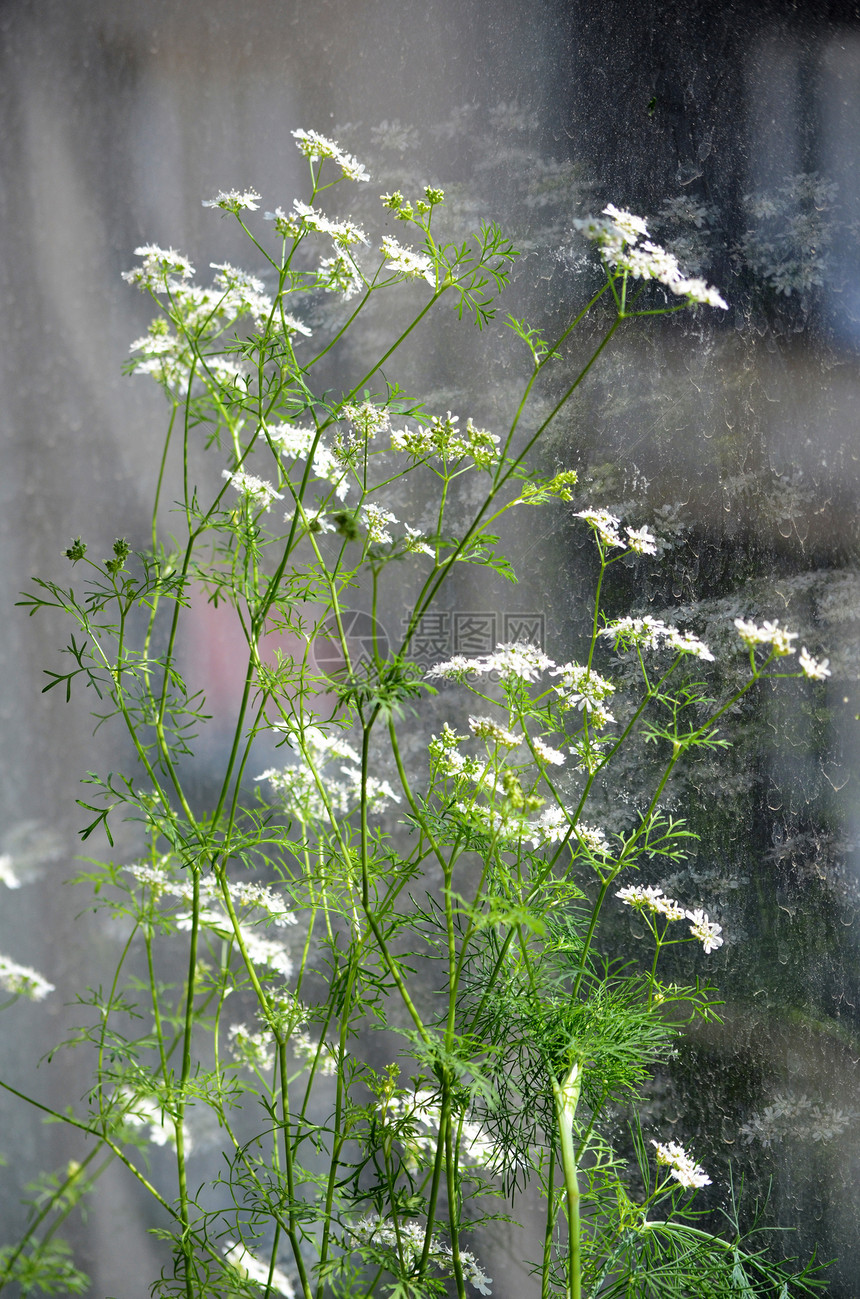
{"type": "Point", "coordinates": [566, 1099]}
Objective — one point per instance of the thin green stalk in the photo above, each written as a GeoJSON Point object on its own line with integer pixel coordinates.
{"type": "Point", "coordinates": [551, 1215]}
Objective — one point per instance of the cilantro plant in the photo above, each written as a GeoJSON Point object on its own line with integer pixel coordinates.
{"type": "Point", "coordinates": [456, 906]}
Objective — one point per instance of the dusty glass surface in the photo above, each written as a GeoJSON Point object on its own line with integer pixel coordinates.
{"type": "Point", "coordinates": [736, 134]}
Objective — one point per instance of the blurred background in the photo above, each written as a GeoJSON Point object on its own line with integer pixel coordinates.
{"type": "Point", "coordinates": [735, 128]}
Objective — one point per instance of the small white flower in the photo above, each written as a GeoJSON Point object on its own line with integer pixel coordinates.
{"type": "Point", "coordinates": [291, 441]}
{"type": "Point", "coordinates": [650, 898]}
{"type": "Point", "coordinates": [367, 419]}
{"type": "Point", "coordinates": [552, 826]}
{"type": "Point", "coordinates": [649, 633]}
{"type": "Point", "coordinates": [513, 661]}
{"type": "Point", "coordinates": [681, 1166]}
{"type": "Point", "coordinates": [7, 872]}
{"type": "Point", "coordinates": [705, 930]}
{"type": "Point", "coordinates": [378, 793]}
{"type": "Point", "coordinates": [342, 232]}
{"type": "Point", "coordinates": [699, 291]}
{"type": "Point", "coordinates": [631, 226]}
{"type": "Point", "coordinates": [318, 147]}
{"type": "Point", "coordinates": [641, 897]}
{"type": "Point", "coordinates": [262, 897]}
{"type": "Point", "coordinates": [488, 729]}
{"type": "Point", "coordinates": [340, 274]}
{"type": "Point", "coordinates": [518, 661]}
{"type": "Point", "coordinates": [250, 1268]}
{"type": "Point", "coordinates": [416, 544]}
{"type": "Point", "coordinates": [605, 526]}
{"type": "Point", "coordinates": [770, 633]}
{"type": "Point", "coordinates": [234, 200]}
{"type": "Point", "coordinates": [645, 632]}
{"type": "Point", "coordinates": [292, 325]}
{"type": "Point", "coordinates": [256, 489]}
{"type": "Point", "coordinates": [444, 439]}
{"type": "Point", "coordinates": [618, 241]}
{"type": "Point", "coordinates": [252, 1049]}
{"type": "Point", "coordinates": [591, 837]}
{"type": "Point", "coordinates": [159, 270]}
{"type": "Point", "coordinates": [453, 669]}
{"type": "Point", "coordinates": [749, 633]}
{"type": "Point", "coordinates": [642, 541]}
{"type": "Point", "coordinates": [405, 261]}
{"type": "Point", "coordinates": [814, 669]}
{"type": "Point", "coordinates": [686, 643]}
{"type": "Point", "coordinates": [555, 824]}
{"type": "Point", "coordinates": [264, 951]}
{"type": "Point", "coordinates": [21, 981]}
{"type": "Point", "coordinates": [377, 521]}
{"type": "Point", "coordinates": [294, 443]}
{"type": "Point", "coordinates": [583, 688]}
{"type": "Point", "coordinates": [547, 754]}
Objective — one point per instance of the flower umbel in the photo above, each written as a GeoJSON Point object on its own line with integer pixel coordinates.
{"type": "Point", "coordinates": [681, 1166]}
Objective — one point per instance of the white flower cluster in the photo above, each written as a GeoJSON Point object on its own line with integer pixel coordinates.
{"type": "Point", "coordinates": [377, 521]}
{"type": "Point", "coordinates": [651, 898]}
{"type": "Point", "coordinates": [405, 261]}
{"type": "Point", "coordinates": [488, 729]}
{"type": "Point", "coordinates": [554, 824]}
{"type": "Point", "coordinates": [305, 218]}
{"type": "Point", "coordinates": [299, 785]}
{"type": "Point", "coordinates": [21, 981]}
{"type": "Point", "coordinates": [416, 543]}
{"type": "Point", "coordinates": [476, 1147]}
{"type": "Point", "coordinates": [583, 688]}
{"type": "Point", "coordinates": [442, 438]}
{"type": "Point", "coordinates": [448, 762]}
{"type": "Point", "coordinates": [7, 872]}
{"type": "Point", "coordinates": [306, 1050]}
{"type": "Point", "coordinates": [681, 1166]}
{"type": "Point", "coordinates": [653, 633]}
{"type": "Point", "coordinates": [409, 1238]}
{"type": "Point", "coordinates": [203, 315]}
{"type": "Point", "coordinates": [770, 633]}
{"type": "Point", "coordinates": [160, 269]}
{"type": "Point", "coordinates": [245, 293]}
{"type": "Point", "coordinates": [317, 147]}
{"type": "Point", "coordinates": [265, 951]}
{"type": "Point", "coordinates": [245, 896]}
{"type": "Point", "coordinates": [814, 669]}
{"type": "Point", "coordinates": [618, 236]}
{"type": "Point", "coordinates": [340, 274]}
{"type": "Point", "coordinates": [705, 930]}
{"type": "Point", "coordinates": [294, 443]}
{"type": "Point", "coordinates": [146, 1111]}
{"type": "Point", "coordinates": [234, 200]}
{"type": "Point", "coordinates": [367, 419]}
{"type": "Point", "coordinates": [545, 752]}
{"type": "Point", "coordinates": [249, 1268]}
{"type": "Point", "coordinates": [607, 529]}
{"type": "Point", "coordinates": [796, 1116]}
{"type": "Point", "coordinates": [252, 1049]}
{"type": "Point", "coordinates": [515, 660]}
{"type": "Point", "coordinates": [258, 491]}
